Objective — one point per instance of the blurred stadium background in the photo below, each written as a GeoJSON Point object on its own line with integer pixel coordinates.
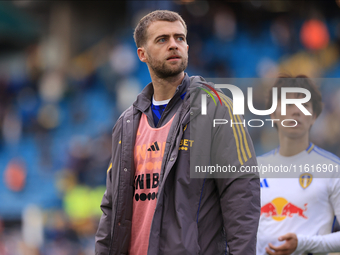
{"type": "Point", "coordinates": [68, 69]}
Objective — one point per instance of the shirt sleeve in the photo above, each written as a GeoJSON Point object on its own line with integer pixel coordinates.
{"type": "Point", "coordinates": [319, 244]}
{"type": "Point", "coordinates": [329, 242]}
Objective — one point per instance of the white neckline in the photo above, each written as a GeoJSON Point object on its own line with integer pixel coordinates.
{"type": "Point", "coordinates": [163, 102]}
{"type": "Point", "coordinates": [293, 157]}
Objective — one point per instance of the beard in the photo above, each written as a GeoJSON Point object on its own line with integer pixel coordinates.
{"type": "Point", "coordinates": [165, 70]}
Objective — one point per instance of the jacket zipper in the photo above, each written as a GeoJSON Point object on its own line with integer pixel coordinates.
{"type": "Point", "coordinates": [171, 148]}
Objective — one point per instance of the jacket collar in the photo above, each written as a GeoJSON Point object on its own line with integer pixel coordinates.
{"type": "Point", "coordinates": [144, 99]}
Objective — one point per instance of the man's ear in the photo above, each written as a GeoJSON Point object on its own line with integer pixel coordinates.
{"type": "Point", "coordinates": [142, 54]}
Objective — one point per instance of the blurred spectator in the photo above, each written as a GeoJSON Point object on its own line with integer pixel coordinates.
{"type": "Point", "coordinates": [15, 175]}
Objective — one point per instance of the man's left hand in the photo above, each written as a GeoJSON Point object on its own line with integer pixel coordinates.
{"type": "Point", "coordinates": [285, 249]}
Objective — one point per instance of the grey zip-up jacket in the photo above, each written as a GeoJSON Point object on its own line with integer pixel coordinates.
{"type": "Point", "coordinates": [207, 215]}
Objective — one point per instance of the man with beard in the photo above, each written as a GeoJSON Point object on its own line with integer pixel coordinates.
{"type": "Point", "coordinates": [151, 204]}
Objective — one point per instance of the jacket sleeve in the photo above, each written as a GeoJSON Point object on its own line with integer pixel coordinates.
{"type": "Point", "coordinates": [105, 227]}
{"type": "Point", "coordinates": [239, 188]}
{"type": "Point", "coordinates": [103, 235]}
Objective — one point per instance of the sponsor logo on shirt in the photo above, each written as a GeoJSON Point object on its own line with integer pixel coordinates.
{"type": "Point", "coordinates": [150, 153]}
{"type": "Point", "coordinates": [264, 184]}
{"type": "Point", "coordinates": [185, 144]}
{"type": "Point", "coordinates": [154, 147]}
{"type": "Point", "coordinates": [280, 208]}
{"type": "Point", "coordinates": [146, 181]}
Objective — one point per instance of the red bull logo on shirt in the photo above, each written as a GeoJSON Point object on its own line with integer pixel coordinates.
{"type": "Point", "coordinates": [279, 209]}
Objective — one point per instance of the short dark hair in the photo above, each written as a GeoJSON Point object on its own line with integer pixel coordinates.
{"type": "Point", "coordinates": [299, 81]}
{"type": "Point", "coordinates": [140, 33]}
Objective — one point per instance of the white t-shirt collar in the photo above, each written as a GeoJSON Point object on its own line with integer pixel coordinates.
{"type": "Point", "coordinates": [163, 102]}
